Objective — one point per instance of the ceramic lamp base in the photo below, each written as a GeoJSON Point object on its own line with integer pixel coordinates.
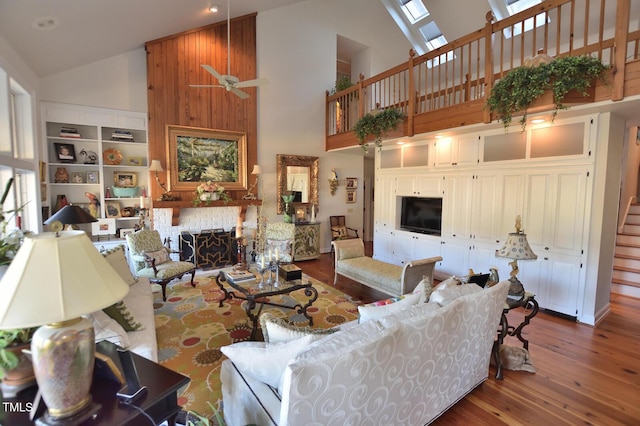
{"type": "Point", "coordinates": [63, 359]}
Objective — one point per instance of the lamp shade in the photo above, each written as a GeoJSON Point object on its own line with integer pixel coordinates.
{"type": "Point", "coordinates": [156, 166]}
{"type": "Point", "coordinates": [516, 247]}
{"type": "Point", "coordinates": [71, 214]}
{"type": "Point", "coordinates": [257, 170]}
{"type": "Point", "coordinates": [55, 277]}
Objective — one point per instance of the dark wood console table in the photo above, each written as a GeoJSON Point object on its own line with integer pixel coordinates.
{"type": "Point", "coordinates": [160, 401]}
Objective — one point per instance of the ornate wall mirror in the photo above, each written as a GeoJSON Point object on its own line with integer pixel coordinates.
{"type": "Point", "coordinates": [297, 176]}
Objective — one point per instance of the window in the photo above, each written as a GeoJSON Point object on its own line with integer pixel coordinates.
{"type": "Point", "coordinates": [414, 20]}
{"type": "Point", "coordinates": [17, 155]}
{"type": "Point", "coordinates": [504, 8]}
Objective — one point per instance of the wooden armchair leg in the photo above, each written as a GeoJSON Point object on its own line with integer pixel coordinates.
{"type": "Point", "coordinates": [163, 284]}
{"type": "Point", "coordinates": [193, 275]}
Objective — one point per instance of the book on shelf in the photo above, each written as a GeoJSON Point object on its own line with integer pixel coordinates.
{"type": "Point", "coordinates": [238, 276]}
{"type": "Point", "coordinates": [69, 132]}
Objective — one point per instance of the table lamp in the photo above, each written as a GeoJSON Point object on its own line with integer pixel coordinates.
{"type": "Point", "coordinates": [71, 215]}
{"type": "Point", "coordinates": [156, 167]}
{"type": "Point", "coordinates": [516, 248]}
{"type": "Point", "coordinates": [257, 170]}
{"type": "Point", "coordinates": [54, 279]}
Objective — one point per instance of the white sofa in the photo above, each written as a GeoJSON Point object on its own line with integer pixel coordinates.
{"type": "Point", "coordinates": [139, 303]}
{"type": "Point", "coordinates": [405, 368]}
{"type": "Point", "coordinates": [391, 279]}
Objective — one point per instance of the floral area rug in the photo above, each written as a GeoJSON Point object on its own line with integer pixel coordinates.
{"type": "Point", "coordinates": [191, 328]}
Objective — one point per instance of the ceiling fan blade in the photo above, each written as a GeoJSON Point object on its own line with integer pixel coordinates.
{"type": "Point", "coordinates": [239, 93]}
{"type": "Point", "coordinates": [205, 85]}
{"type": "Point", "coordinates": [252, 83]}
{"type": "Point", "coordinates": [215, 73]}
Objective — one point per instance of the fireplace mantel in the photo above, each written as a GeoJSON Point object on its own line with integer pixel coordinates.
{"type": "Point", "coordinates": [176, 206]}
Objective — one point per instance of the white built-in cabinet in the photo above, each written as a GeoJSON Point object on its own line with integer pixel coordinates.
{"type": "Point", "coordinates": [533, 175]}
{"type": "Point", "coordinates": [92, 132]}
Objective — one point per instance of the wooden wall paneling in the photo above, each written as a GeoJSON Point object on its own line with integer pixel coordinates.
{"type": "Point", "coordinates": [174, 62]}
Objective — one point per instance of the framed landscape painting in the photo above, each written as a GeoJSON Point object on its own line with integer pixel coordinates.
{"type": "Point", "coordinates": [199, 155]}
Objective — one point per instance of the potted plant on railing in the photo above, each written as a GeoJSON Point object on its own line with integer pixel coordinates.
{"type": "Point", "coordinates": [377, 124]}
{"type": "Point", "coordinates": [520, 87]}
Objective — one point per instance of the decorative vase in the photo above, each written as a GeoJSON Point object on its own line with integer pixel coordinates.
{"type": "Point", "coordinates": [209, 196]}
{"type": "Point", "coordinates": [288, 208]}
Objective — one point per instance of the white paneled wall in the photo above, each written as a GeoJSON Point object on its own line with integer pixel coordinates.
{"type": "Point", "coordinates": [196, 219]}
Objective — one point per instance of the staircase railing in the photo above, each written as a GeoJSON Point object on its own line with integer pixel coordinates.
{"type": "Point", "coordinates": [447, 87]}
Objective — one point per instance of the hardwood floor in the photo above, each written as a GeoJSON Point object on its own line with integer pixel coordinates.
{"type": "Point", "coordinates": [584, 375]}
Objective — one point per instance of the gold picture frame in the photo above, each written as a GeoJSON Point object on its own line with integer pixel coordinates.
{"type": "Point", "coordinates": [112, 209]}
{"type": "Point", "coordinates": [351, 183]}
{"type": "Point", "coordinates": [351, 197]}
{"type": "Point", "coordinates": [198, 155]}
{"type": "Point", "coordinates": [125, 179]}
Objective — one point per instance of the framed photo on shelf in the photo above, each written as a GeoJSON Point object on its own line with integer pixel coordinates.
{"type": "Point", "coordinates": [126, 231]}
{"type": "Point", "coordinates": [92, 177]}
{"type": "Point", "coordinates": [351, 183]}
{"type": "Point", "coordinates": [193, 144]}
{"type": "Point", "coordinates": [103, 227]}
{"type": "Point", "coordinates": [65, 152]}
{"type": "Point", "coordinates": [351, 196]}
{"type": "Point", "coordinates": [125, 179]}
{"type": "Point", "coordinates": [112, 209]}
{"type": "Point", "coordinates": [135, 161]}
{"type": "Point", "coordinates": [77, 177]}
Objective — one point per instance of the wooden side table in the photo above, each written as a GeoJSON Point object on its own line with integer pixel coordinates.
{"type": "Point", "coordinates": [529, 303]}
{"type": "Point", "coordinates": [160, 401]}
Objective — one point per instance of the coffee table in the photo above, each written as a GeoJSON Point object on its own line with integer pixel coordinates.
{"type": "Point", "coordinates": [256, 295]}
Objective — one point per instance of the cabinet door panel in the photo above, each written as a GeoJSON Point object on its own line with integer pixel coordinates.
{"type": "Point", "coordinates": [536, 221]}
{"type": "Point", "coordinates": [484, 208]}
{"type": "Point", "coordinates": [456, 217]}
{"type": "Point", "coordinates": [562, 285]}
{"type": "Point", "coordinates": [455, 258]}
{"type": "Point", "coordinates": [569, 212]}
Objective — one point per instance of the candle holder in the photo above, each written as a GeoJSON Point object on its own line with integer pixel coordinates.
{"type": "Point", "coordinates": [273, 266]}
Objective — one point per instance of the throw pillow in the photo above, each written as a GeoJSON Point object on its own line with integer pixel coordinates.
{"type": "Point", "coordinates": [338, 232]}
{"type": "Point", "coordinates": [106, 328]}
{"type": "Point", "coordinates": [386, 307]}
{"type": "Point", "coordinates": [275, 330]}
{"type": "Point", "coordinates": [265, 361]}
{"type": "Point", "coordinates": [160, 257]}
{"type": "Point", "coordinates": [515, 358]}
{"type": "Point", "coordinates": [118, 261]}
{"type": "Point", "coordinates": [449, 282]}
{"type": "Point", "coordinates": [447, 295]}
{"type": "Point", "coordinates": [350, 252]}
{"type": "Point", "coordinates": [425, 289]}
{"type": "Point", "coordinates": [119, 312]}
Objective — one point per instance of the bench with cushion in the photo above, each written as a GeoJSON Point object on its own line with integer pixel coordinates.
{"type": "Point", "coordinates": [351, 262]}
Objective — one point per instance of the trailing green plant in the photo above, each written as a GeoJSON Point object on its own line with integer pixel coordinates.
{"type": "Point", "coordinates": [520, 87]}
{"type": "Point", "coordinates": [377, 124]}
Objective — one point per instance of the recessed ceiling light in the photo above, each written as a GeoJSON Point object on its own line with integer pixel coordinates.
{"type": "Point", "coordinates": [213, 9]}
{"type": "Point", "coordinates": [400, 143]}
{"type": "Point", "coordinates": [439, 136]}
{"type": "Point", "coordinates": [45, 23]}
{"type": "Point", "coordinates": [538, 120]}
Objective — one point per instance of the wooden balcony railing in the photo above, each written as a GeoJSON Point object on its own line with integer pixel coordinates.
{"type": "Point", "coordinates": [447, 87]}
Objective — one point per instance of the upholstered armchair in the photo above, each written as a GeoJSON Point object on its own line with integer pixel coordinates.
{"type": "Point", "coordinates": [281, 236]}
{"type": "Point", "coordinates": [151, 260]}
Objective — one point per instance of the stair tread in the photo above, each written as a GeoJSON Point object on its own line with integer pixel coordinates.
{"type": "Point", "coordinates": [621, 244]}
{"type": "Point", "coordinates": [625, 282]}
{"type": "Point", "coordinates": [628, 234]}
{"type": "Point", "coordinates": [627, 256]}
{"type": "Point", "coordinates": [626, 269]}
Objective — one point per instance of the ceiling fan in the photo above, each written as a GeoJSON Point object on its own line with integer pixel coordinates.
{"type": "Point", "coordinates": [228, 81]}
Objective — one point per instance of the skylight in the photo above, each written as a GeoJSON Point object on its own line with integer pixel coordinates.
{"type": "Point", "coordinates": [504, 8]}
{"type": "Point", "coordinates": [414, 20]}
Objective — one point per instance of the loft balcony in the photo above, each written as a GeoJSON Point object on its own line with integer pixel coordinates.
{"type": "Point", "coordinates": [448, 87]}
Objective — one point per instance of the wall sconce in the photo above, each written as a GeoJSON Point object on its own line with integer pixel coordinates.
{"type": "Point", "coordinates": [257, 170]}
{"type": "Point", "coordinates": [333, 182]}
{"type": "Point", "coordinates": [156, 167]}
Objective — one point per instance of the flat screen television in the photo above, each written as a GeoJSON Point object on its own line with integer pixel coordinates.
{"type": "Point", "coordinates": [422, 215]}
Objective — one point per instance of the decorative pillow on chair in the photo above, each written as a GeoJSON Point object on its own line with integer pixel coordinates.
{"type": "Point", "coordinates": [386, 307]}
{"type": "Point", "coordinates": [338, 232]}
{"type": "Point", "coordinates": [160, 257]}
{"type": "Point", "coordinates": [121, 314]}
{"type": "Point", "coordinates": [276, 330]}
{"type": "Point", "coordinates": [265, 361]}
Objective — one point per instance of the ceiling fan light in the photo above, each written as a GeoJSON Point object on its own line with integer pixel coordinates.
{"type": "Point", "coordinates": [213, 9]}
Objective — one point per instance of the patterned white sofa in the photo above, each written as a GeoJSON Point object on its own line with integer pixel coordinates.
{"type": "Point", "coordinates": [404, 368]}
{"type": "Point", "coordinates": [395, 280]}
